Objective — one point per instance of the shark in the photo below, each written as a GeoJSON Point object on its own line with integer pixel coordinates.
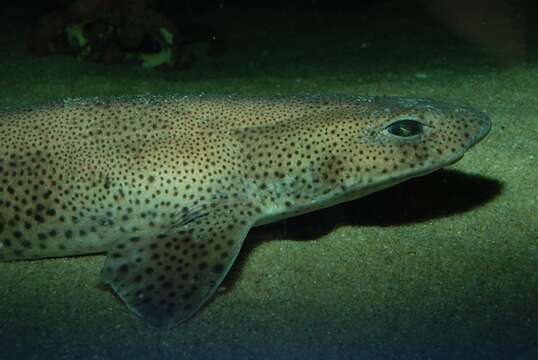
{"type": "Point", "coordinates": [169, 186]}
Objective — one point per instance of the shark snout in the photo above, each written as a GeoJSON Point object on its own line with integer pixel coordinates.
{"type": "Point", "coordinates": [476, 126]}
{"type": "Point", "coordinates": [483, 126]}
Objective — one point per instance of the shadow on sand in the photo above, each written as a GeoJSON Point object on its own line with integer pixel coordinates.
{"type": "Point", "coordinates": [437, 195]}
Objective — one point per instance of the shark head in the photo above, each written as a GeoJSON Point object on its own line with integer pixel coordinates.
{"type": "Point", "coordinates": [350, 147]}
{"type": "Point", "coordinates": [379, 142]}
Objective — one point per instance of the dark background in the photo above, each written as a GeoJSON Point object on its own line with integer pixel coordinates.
{"type": "Point", "coordinates": [507, 29]}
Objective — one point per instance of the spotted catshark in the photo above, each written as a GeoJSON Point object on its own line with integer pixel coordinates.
{"type": "Point", "coordinates": [169, 186]}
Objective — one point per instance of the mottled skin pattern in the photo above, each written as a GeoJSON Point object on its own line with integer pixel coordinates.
{"type": "Point", "coordinates": [169, 187]}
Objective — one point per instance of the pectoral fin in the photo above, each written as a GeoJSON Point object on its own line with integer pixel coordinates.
{"type": "Point", "coordinates": [166, 278]}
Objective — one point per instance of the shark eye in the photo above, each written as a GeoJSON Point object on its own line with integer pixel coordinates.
{"type": "Point", "coordinates": [405, 128]}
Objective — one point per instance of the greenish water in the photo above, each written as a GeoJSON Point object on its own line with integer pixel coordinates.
{"type": "Point", "coordinates": [441, 267]}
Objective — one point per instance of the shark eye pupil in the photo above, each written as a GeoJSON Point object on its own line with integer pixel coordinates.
{"type": "Point", "coordinates": [405, 128]}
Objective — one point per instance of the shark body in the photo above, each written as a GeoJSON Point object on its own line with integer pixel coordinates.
{"type": "Point", "coordinates": [168, 187]}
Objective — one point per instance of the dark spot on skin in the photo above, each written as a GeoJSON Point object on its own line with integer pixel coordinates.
{"type": "Point", "coordinates": [218, 268]}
